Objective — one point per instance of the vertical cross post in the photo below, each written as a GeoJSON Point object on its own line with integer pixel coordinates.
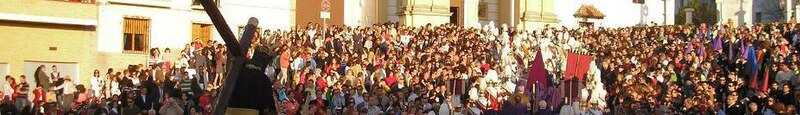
{"type": "Point", "coordinates": [237, 51]}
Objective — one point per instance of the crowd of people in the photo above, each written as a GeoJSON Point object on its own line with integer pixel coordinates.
{"type": "Point", "coordinates": [447, 69]}
{"type": "Point", "coordinates": [168, 84]}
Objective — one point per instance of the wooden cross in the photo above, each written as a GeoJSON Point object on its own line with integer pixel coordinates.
{"type": "Point", "coordinates": [236, 51]}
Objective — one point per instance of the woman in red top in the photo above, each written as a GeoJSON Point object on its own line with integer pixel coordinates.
{"type": "Point", "coordinates": [284, 64]}
{"type": "Point", "coordinates": [205, 102]}
{"type": "Point", "coordinates": [38, 95]}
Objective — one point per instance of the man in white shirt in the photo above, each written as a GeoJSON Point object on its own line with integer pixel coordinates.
{"type": "Point", "coordinates": [68, 94]}
{"type": "Point", "coordinates": [6, 88]}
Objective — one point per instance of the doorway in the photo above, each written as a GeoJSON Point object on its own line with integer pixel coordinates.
{"type": "Point", "coordinates": [454, 15]}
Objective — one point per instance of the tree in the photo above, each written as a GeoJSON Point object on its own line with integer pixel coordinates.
{"type": "Point", "coordinates": [771, 10]}
{"type": "Point", "coordinates": [703, 13]}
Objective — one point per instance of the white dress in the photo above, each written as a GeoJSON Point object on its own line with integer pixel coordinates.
{"type": "Point", "coordinates": [115, 88]}
{"type": "Point", "coordinates": [97, 85]}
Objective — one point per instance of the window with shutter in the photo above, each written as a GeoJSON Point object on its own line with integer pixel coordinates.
{"type": "Point", "coordinates": [136, 35]}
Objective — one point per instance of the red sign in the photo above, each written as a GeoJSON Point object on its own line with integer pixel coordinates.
{"type": "Point", "coordinates": [326, 5]}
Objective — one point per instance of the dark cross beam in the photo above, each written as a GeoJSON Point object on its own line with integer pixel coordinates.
{"type": "Point", "coordinates": [236, 51]}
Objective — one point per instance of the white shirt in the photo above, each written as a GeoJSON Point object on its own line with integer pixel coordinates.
{"type": "Point", "coordinates": [68, 87]}
{"type": "Point", "coordinates": [115, 88]}
{"type": "Point", "coordinates": [492, 75]}
{"type": "Point", "coordinates": [473, 94]}
{"type": "Point", "coordinates": [444, 109]}
{"type": "Point", "coordinates": [97, 85]}
{"type": "Point", "coordinates": [412, 96]}
{"type": "Point", "coordinates": [358, 99]}
{"type": "Point", "coordinates": [298, 63]}
{"type": "Point", "coordinates": [7, 90]}
{"type": "Point", "coordinates": [135, 81]}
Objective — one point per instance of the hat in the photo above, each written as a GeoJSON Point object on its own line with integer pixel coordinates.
{"type": "Point", "coordinates": [542, 103]}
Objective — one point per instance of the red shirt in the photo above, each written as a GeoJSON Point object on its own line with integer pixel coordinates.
{"type": "Point", "coordinates": [322, 84]}
{"type": "Point", "coordinates": [302, 78]}
{"type": "Point", "coordinates": [485, 67]}
{"type": "Point", "coordinates": [205, 100]}
{"type": "Point", "coordinates": [285, 59]}
{"type": "Point", "coordinates": [390, 80]}
{"type": "Point", "coordinates": [38, 95]}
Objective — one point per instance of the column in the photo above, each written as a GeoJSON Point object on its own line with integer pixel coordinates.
{"type": "Point", "coordinates": [471, 13]}
{"type": "Point", "coordinates": [796, 13]}
{"type": "Point", "coordinates": [689, 17]}
{"type": "Point", "coordinates": [788, 10]}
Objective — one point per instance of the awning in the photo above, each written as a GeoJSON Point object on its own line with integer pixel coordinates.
{"type": "Point", "coordinates": [589, 11]}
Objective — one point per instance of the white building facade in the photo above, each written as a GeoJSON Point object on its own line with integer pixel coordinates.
{"type": "Point", "coordinates": [619, 13]}
{"type": "Point", "coordinates": [171, 21]}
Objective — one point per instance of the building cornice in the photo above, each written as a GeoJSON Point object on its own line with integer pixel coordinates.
{"type": "Point", "coordinates": [47, 19]}
{"type": "Point", "coordinates": [540, 17]}
{"type": "Point", "coordinates": [143, 3]}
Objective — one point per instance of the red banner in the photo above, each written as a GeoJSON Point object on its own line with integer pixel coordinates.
{"type": "Point", "coordinates": [577, 66]}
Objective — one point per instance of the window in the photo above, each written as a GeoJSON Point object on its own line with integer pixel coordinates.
{"type": "Point", "coordinates": [136, 35]}
{"type": "Point", "coordinates": [758, 17]}
{"type": "Point", "coordinates": [201, 32]}
{"type": "Point", "coordinates": [482, 9]}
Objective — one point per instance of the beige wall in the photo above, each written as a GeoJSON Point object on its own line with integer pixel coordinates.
{"type": "Point", "coordinates": [308, 11]}
{"type": "Point", "coordinates": [32, 41]}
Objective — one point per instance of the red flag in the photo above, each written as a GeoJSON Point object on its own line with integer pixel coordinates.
{"type": "Point", "coordinates": [577, 66]}
{"type": "Point", "coordinates": [537, 72]}
{"type": "Point", "coordinates": [765, 83]}
{"type": "Point", "coordinates": [756, 64]}
{"type": "Point", "coordinates": [753, 81]}
{"type": "Point", "coordinates": [572, 61]}
{"type": "Point", "coordinates": [583, 66]}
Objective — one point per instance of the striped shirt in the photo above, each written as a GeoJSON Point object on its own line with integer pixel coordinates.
{"type": "Point", "coordinates": [186, 85]}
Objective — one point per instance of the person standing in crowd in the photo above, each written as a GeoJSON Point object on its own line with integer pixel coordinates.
{"type": "Point", "coordinates": [7, 107]}
{"type": "Point", "coordinates": [21, 94]}
{"type": "Point", "coordinates": [55, 75]}
{"type": "Point", "coordinates": [10, 87]}
{"type": "Point", "coordinates": [97, 83]}
{"type": "Point", "coordinates": [42, 78]}
{"type": "Point", "coordinates": [130, 109]}
{"type": "Point", "coordinates": [68, 96]}
{"type": "Point", "coordinates": [143, 100]}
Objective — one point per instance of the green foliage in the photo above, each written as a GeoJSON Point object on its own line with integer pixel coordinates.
{"type": "Point", "coordinates": [703, 13]}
